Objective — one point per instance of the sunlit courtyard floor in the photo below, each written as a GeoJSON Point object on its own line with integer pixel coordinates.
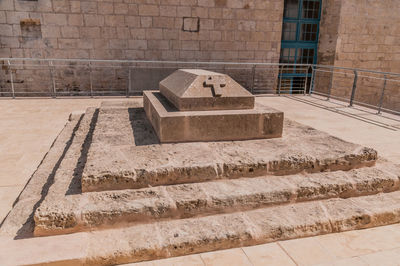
{"type": "Point", "coordinates": [28, 128]}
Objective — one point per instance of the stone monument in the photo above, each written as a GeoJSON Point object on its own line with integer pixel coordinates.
{"type": "Point", "coordinates": [200, 105]}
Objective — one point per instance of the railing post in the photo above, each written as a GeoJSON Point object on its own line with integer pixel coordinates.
{"type": "Point", "coordinates": [353, 91]}
{"type": "Point", "coordinates": [129, 84]}
{"type": "Point", "coordinates": [280, 80]}
{"type": "Point", "coordinates": [90, 80]}
{"type": "Point", "coordinates": [382, 95]}
{"type": "Point", "coordinates": [312, 80]}
{"type": "Point", "coordinates": [306, 79]}
{"type": "Point", "coordinates": [11, 79]}
{"type": "Point", "coordinates": [52, 79]}
{"type": "Point", "coordinates": [254, 74]}
{"type": "Point", "coordinates": [330, 86]}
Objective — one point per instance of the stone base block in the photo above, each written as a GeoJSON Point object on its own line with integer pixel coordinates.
{"type": "Point", "coordinates": [172, 125]}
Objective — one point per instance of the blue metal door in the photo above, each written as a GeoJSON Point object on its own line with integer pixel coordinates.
{"type": "Point", "coordinates": [299, 45]}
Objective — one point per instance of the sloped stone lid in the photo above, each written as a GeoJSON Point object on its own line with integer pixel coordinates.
{"type": "Point", "coordinates": [201, 90]}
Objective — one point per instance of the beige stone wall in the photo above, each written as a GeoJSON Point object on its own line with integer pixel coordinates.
{"type": "Point", "coordinates": [187, 30]}
{"type": "Point", "coordinates": [230, 30]}
{"type": "Point", "coordinates": [361, 34]}
{"type": "Point", "coordinates": [369, 38]}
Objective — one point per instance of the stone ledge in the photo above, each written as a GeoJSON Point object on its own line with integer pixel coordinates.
{"type": "Point", "coordinates": [195, 235]}
{"type": "Point", "coordinates": [116, 208]}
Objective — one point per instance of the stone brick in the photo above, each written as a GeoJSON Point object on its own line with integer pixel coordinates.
{"type": "Point", "coordinates": [109, 32]}
{"type": "Point", "coordinates": [120, 8]}
{"type": "Point", "coordinates": [55, 19]}
{"type": "Point", "coordinates": [106, 8]}
{"type": "Point", "coordinates": [215, 13]}
{"type": "Point", "coordinates": [200, 12]}
{"type": "Point", "coordinates": [132, 21]}
{"type": "Point", "coordinates": [206, 24]}
{"type": "Point", "coordinates": [67, 43]}
{"type": "Point", "coordinates": [6, 5]}
{"type": "Point", "coordinates": [168, 11]}
{"type": "Point", "coordinates": [134, 54]}
{"type": "Point", "coordinates": [163, 22]}
{"type": "Point", "coordinates": [184, 11]}
{"type": "Point", "coordinates": [88, 7]}
{"type": "Point", "coordinates": [206, 3]}
{"type": "Point", "coordinates": [9, 42]}
{"type": "Point", "coordinates": [93, 20]}
{"type": "Point", "coordinates": [114, 20]}
{"type": "Point", "coordinates": [171, 34]}
{"type": "Point", "coordinates": [118, 44]}
{"type": "Point", "coordinates": [149, 10]}
{"type": "Point", "coordinates": [188, 2]}
{"type": "Point", "coordinates": [3, 18]}
{"type": "Point", "coordinates": [190, 45]}
{"type": "Point", "coordinates": [51, 31]}
{"type": "Point", "coordinates": [146, 22]}
{"type": "Point", "coordinates": [138, 34]}
{"type": "Point", "coordinates": [75, 6]}
{"type": "Point", "coordinates": [75, 20]}
{"type": "Point", "coordinates": [246, 25]}
{"type": "Point", "coordinates": [154, 34]}
{"type": "Point", "coordinates": [123, 32]}
{"type": "Point", "coordinates": [89, 32]}
{"type": "Point", "coordinates": [70, 32]}
{"type": "Point", "coordinates": [6, 30]}
{"type": "Point", "coordinates": [157, 45]}
{"type": "Point", "coordinates": [133, 9]}
{"type": "Point", "coordinates": [137, 44]}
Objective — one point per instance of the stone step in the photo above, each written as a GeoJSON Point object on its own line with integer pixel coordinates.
{"type": "Point", "coordinates": [99, 210]}
{"type": "Point", "coordinates": [195, 235]}
{"type": "Point", "coordinates": [125, 153]}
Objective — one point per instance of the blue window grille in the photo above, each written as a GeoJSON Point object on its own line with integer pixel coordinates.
{"type": "Point", "coordinates": [299, 45]}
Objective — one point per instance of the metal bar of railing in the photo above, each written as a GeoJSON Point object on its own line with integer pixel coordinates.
{"type": "Point", "coordinates": [11, 79]}
{"type": "Point", "coordinates": [129, 83]}
{"type": "Point", "coordinates": [90, 79]}
{"type": "Point", "coordinates": [330, 86]}
{"type": "Point", "coordinates": [52, 79]}
{"type": "Point", "coordinates": [305, 80]}
{"type": "Point", "coordinates": [253, 70]}
{"type": "Point", "coordinates": [382, 95]}
{"type": "Point", "coordinates": [280, 80]}
{"type": "Point", "coordinates": [312, 80]}
{"type": "Point", "coordinates": [353, 91]}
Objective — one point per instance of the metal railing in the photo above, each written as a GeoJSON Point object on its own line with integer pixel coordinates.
{"type": "Point", "coordinates": [85, 77]}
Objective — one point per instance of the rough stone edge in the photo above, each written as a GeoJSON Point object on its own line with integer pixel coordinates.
{"type": "Point", "coordinates": [141, 178]}
{"type": "Point", "coordinates": [174, 238]}
{"type": "Point", "coordinates": [24, 205]}
{"type": "Point", "coordinates": [166, 205]}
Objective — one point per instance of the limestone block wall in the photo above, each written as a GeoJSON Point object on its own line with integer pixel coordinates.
{"type": "Point", "coordinates": [368, 37]}
{"type": "Point", "coordinates": [188, 30]}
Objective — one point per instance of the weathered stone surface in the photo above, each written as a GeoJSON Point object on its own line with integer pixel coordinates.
{"type": "Point", "coordinates": [125, 153]}
{"type": "Point", "coordinates": [241, 226]}
{"type": "Point", "coordinates": [219, 125]}
{"type": "Point", "coordinates": [113, 208]}
{"type": "Point", "coordinates": [202, 90]}
{"type": "Point", "coordinates": [189, 236]}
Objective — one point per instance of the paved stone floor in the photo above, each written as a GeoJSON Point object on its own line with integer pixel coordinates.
{"type": "Point", "coordinates": [29, 126]}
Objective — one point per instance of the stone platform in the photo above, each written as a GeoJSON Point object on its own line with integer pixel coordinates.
{"type": "Point", "coordinates": [138, 160]}
{"type": "Point", "coordinates": [171, 125]}
{"type": "Point", "coordinates": [261, 190]}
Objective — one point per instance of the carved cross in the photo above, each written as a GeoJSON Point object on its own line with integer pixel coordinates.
{"type": "Point", "coordinates": [216, 83]}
